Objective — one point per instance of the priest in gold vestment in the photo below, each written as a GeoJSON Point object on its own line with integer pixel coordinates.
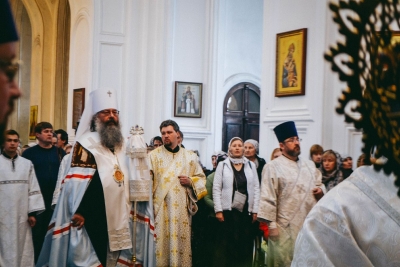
{"type": "Point", "coordinates": [179, 182]}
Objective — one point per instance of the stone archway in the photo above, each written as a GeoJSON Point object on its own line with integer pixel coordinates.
{"type": "Point", "coordinates": [46, 66]}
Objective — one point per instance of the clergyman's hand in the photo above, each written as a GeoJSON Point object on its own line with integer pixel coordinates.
{"type": "Point", "coordinates": [185, 181]}
{"type": "Point", "coordinates": [317, 192]}
{"type": "Point", "coordinates": [254, 215]}
{"type": "Point", "coordinates": [219, 216]}
{"type": "Point", "coordinates": [32, 221]}
{"type": "Point", "coordinates": [274, 234]}
{"type": "Point", "coordinates": [78, 221]}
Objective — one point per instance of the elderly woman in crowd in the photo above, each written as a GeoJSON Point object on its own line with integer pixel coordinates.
{"type": "Point", "coordinates": [347, 166]}
{"type": "Point", "coordinates": [236, 193]}
{"type": "Point", "coordinates": [250, 152]}
{"type": "Point", "coordinates": [330, 169]}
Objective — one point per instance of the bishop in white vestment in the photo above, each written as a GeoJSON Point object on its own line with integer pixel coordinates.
{"type": "Point", "coordinates": [92, 223]}
{"type": "Point", "coordinates": [20, 196]}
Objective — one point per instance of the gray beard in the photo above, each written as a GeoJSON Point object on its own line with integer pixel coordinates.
{"type": "Point", "coordinates": [110, 135]}
{"type": "Point", "coordinates": [293, 153]}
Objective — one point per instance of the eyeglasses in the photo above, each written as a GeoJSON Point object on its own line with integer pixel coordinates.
{"type": "Point", "coordinates": [108, 112]}
{"type": "Point", "coordinates": [292, 140]}
{"type": "Point", "coordinates": [10, 69]}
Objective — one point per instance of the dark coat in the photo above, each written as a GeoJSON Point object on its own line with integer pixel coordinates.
{"type": "Point", "coordinates": [261, 163]}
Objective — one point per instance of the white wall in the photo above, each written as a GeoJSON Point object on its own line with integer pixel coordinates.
{"type": "Point", "coordinates": [238, 50]}
{"type": "Point", "coordinates": [81, 53]}
{"type": "Point", "coordinates": [313, 113]}
{"type": "Point", "coordinates": [142, 47]}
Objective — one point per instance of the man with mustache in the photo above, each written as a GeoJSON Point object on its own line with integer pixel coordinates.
{"type": "Point", "coordinates": [91, 222]}
{"type": "Point", "coordinates": [290, 187]}
{"type": "Point", "coordinates": [177, 178]}
{"type": "Point", "coordinates": [9, 89]}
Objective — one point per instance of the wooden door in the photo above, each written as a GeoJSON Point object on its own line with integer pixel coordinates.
{"type": "Point", "coordinates": [241, 113]}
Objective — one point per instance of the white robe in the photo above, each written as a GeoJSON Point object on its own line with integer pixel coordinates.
{"type": "Point", "coordinates": [348, 228]}
{"type": "Point", "coordinates": [65, 245]}
{"type": "Point", "coordinates": [19, 195]}
{"type": "Point", "coordinates": [60, 178]}
{"type": "Point", "coordinates": [286, 198]}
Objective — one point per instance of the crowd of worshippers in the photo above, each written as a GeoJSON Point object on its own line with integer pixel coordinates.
{"type": "Point", "coordinates": [79, 209]}
{"type": "Point", "coordinates": [226, 230]}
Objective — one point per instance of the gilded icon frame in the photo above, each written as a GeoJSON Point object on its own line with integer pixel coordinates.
{"type": "Point", "coordinates": [290, 69]}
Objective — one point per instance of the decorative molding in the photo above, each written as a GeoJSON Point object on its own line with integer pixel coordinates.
{"type": "Point", "coordinates": [83, 14]}
{"type": "Point", "coordinates": [241, 77]}
{"type": "Point", "coordinates": [117, 63]}
{"type": "Point", "coordinates": [351, 134]}
{"type": "Point", "coordinates": [37, 41]}
{"type": "Point", "coordinates": [106, 18]}
{"type": "Point", "coordinates": [295, 114]}
{"type": "Point", "coordinates": [200, 144]}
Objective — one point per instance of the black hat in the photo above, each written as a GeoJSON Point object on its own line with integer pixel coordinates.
{"type": "Point", "coordinates": [285, 130]}
{"type": "Point", "coordinates": [8, 32]}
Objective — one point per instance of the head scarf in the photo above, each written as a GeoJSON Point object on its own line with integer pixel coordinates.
{"type": "Point", "coordinates": [336, 176]}
{"type": "Point", "coordinates": [217, 153]}
{"type": "Point", "coordinates": [232, 159]}
{"type": "Point", "coordinates": [254, 143]}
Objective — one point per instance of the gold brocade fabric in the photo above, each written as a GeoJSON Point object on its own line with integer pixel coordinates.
{"type": "Point", "coordinates": [172, 220]}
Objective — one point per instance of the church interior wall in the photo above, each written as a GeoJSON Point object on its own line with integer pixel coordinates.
{"type": "Point", "coordinates": [81, 53]}
{"type": "Point", "coordinates": [20, 119]}
{"type": "Point", "coordinates": [314, 113]}
{"type": "Point", "coordinates": [238, 52]}
{"type": "Point", "coordinates": [140, 48]}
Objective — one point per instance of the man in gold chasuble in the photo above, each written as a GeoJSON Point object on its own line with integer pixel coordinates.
{"type": "Point", "coordinates": [178, 181]}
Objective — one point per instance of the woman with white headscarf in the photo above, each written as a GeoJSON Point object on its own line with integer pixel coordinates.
{"type": "Point", "coordinates": [236, 193]}
{"type": "Point", "coordinates": [251, 153]}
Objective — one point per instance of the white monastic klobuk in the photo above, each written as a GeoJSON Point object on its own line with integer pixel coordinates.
{"type": "Point", "coordinates": [19, 195]}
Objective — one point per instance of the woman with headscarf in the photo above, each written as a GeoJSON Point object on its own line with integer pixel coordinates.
{"type": "Point", "coordinates": [330, 169]}
{"type": "Point", "coordinates": [251, 153]}
{"type": "Point", "coordinates": [236, 193]}
{"type": "Point", "coordinates": [346, 166]}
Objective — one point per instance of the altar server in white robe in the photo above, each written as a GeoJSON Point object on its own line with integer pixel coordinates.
{"type": "Point", "coordinates": [290, 187]}
{"type": "Point", "coordinates": [20, 201]}
{"type": "Point", "coordinates": [357, 223]}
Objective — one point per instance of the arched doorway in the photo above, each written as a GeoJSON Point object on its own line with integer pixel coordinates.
{"type": "Point", "coordinates": [241, 113]}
